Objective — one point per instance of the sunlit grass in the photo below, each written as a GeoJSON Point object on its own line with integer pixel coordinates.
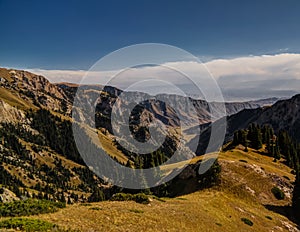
{"type": "Point", "coordinates": [218, 209]}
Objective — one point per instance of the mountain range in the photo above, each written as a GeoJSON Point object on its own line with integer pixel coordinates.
{"type": "Point", "coordinates": [39, 157]}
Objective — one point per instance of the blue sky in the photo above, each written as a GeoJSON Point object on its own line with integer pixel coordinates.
{"type": "Point", "coordinates": [251, 48]}
{"type": "Point", "coordinates": [75, 34]}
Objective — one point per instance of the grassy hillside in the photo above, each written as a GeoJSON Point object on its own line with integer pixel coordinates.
{"type": "Point", "coordinates": [201, 211]}
{"type": "Point", "coordinates": [14, 100]}
{"type": "Point", "coordinates": [243, 195]}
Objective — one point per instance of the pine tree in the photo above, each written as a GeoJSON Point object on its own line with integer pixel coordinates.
{"type": "Point", "coordinates": [242, 135]}
{"type": "Point", "coordinates": [296, 196]}
{"type": "Point", "coordinates": [264, 133]}
{"type": "Point", "coordinates": [62, 198]}
{"type": "Point", "coordinates": [276, 154]}
{"type": "Point", "coordinates": [236, 139]}
{"type": "Point", "coordinates": [255, 136]}
{"type": "Point", "coordinates": [97, 195]}
{"type": "Point", "coordinates": [152, 160]}
{"type": "Point", "coordinates": [40, 195]}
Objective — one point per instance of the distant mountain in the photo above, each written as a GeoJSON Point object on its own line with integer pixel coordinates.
{"type": "Point", "coordinates": [283, 115]}
{"type": "Point", "coordinates": [266, 101]}
{"type": "Point", "coordinates": [37, 150]}
{"type": "Point", "coordinates": [21, 91]}
{"type": "Point", "coordinates": [164, 112]}
{"type": "Point", "coordinates": [26, 90]}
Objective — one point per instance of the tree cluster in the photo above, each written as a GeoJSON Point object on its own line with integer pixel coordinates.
{"type": "Point", "coordinates": [280, 146]}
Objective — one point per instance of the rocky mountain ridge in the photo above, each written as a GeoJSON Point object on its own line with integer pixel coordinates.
{"type": "Point", "coordinates": [283, 115]}
{"type": "Point", "coordinates": [32, 90]}
{"type": "Point", "coordinates": [38, 153]}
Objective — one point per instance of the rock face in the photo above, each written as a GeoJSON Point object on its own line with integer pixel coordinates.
{"type": "Point", "coordinates": [21, 91]}
{"type": "Point", "coordinates": [283, 115]}
{"type": "Point", "coordinates": [7, 196]}
{"type": "Point", "coordinates": [9, 113]}
{"type": "Point", "coordinates": [30, 90]}
{"type": "Point", "coordinates": [27, 90]}
{"type": "Point", "coordinates": [158, 107]}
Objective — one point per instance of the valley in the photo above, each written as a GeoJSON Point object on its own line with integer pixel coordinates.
{"type": "Point", "coordinates": [40, 160]}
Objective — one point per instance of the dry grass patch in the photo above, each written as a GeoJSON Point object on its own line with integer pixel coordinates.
{"type": "Point", "coordinates": [208, 210]}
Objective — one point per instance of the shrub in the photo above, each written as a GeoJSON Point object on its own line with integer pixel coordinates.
{"type": "Point", "coordinates": [29, 207]}
{"type": "Point", "coordinates": [139, 198]}
{"type": "Point", "coordinates": [278, 193]}
{"type": "Point", "coordinates": [27, 224]}
{"type": "Point", "coordinates": [212, 176]}
{"type": "Point", "coordinates": [97, 196]}
{"type": "Point", "coordinates": [121, 197]}
{"type": "Point", "coordinates": [247, 221]}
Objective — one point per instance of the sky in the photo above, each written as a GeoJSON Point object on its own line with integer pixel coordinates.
{"type": "Point", "coordinates": [63, 39]}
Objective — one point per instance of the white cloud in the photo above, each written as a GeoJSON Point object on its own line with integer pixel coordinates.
{"type": "Point", "coordinates": [275, 65]}
{"type": "Point", "coordinates": [267, 74]}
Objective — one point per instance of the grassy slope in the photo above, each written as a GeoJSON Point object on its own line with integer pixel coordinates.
{"type": "Point", "coordinates": [4, 73]}
{"type": "Point", "coordinates": [217, 209]}
{"type": "Point", "coordinates": [14, 100]}
{"type": "Point", "coordinates": [200, 211]}
{"type": "Point", "coordinates": [110, 148]}
{"type": "Point", "coordinates": [11, 97]}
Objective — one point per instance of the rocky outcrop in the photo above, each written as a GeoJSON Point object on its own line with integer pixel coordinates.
{"type": "Point", "coordinates": [32, 90]}
{"type": "Point", "coordinates": [9, 113]}
{"type": "Point", "coordinates": [38, 91]}
{"type": "Point", "coordinates": [283, 115]}
{"type": "Point", "coordinates": [7, 196]}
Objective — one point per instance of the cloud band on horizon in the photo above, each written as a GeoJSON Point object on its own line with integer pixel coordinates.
{"type": "Point", "coordinates": [241, 78]}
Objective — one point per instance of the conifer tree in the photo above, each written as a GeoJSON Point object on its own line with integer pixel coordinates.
{"type": "Point", "coordinates": [296, 196]}
{"type": "Point", "coordinates": [255, 137]}
{"type": "Point", "coordinates": [97, 195]}
{"type": "Point", "coordinates": [236, 139]}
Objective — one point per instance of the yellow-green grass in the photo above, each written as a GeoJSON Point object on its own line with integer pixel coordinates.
{"type": "Point", "coordinates": [167, 168]}
{"type": "Point", "coordinates": [217, 209]}
{"type": "Point", "coordinates": [14, 100]}
{"type": "Point", "coordinates": [4, 73]}
{"type": "Point", "coordinates": [105, 141]}
{"type": "Point", "coordinates": [252, 156]}
{"type": "Point", "coordinates": [111, 149]}
{"type": "Point", "coordinates": [208, 210]}
{"type": "Point", "coordinates": [260, 159]}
